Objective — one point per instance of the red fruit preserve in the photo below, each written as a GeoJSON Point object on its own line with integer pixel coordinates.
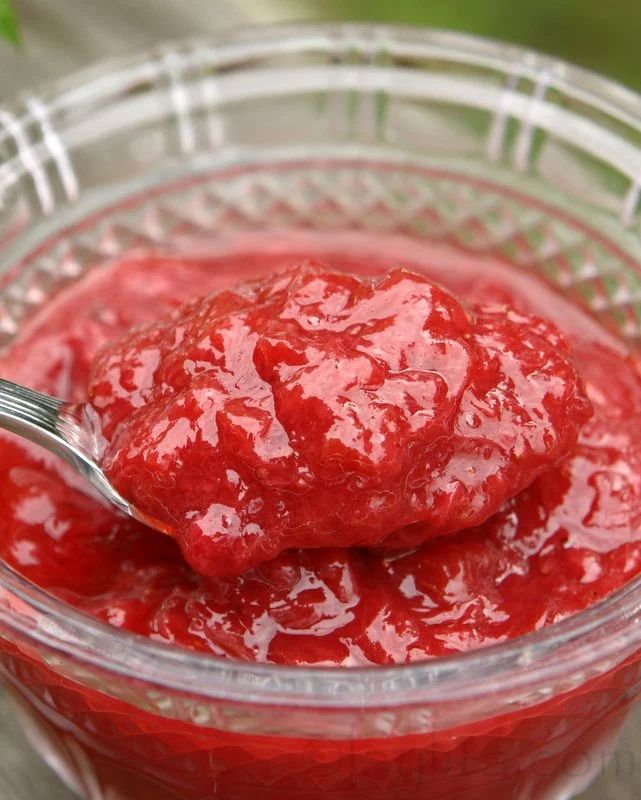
{"type": "Point", "coordinates": [364, 456]}
{"type": "Point", "coordinates": [315, 409]}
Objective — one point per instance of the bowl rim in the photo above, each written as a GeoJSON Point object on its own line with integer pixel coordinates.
{"type": "Point", "coordinates": [534, 659]}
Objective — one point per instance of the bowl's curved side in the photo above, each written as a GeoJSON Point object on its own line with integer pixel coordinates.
{"type": "Point", "coordinates": [458, 139]}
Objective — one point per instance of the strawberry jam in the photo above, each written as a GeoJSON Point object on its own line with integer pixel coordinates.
{"type": "Point", "coordinates": [567, 539]}
{"type": "Point", "coordinates": [316, 409]}
{"type": "Point", "coordinates": [561, 534]}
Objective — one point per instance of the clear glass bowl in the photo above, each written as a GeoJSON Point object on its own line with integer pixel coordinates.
{"type": "Point", "coordinates": [323, 130]}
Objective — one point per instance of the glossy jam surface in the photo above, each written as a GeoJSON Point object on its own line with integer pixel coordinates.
{"type": "Point", "coordinates": [569, 539]}
{"type": "Point", "coordinates": [314, 408]}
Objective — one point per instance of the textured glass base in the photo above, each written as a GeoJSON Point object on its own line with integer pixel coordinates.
{"type": "Point", "coordinates": [73, 766]}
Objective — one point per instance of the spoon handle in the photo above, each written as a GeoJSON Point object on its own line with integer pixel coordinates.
{"type": "Point", "coordinates": [30, 414]}
{"type": "Point", "coordinates": [66, 430]}
{"type": "Point", "coordinates": [51, 423]}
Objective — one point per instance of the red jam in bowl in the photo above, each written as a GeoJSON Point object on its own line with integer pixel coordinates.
{"type": "Point", "coordinates": [316, 409]}
{"type": "Point", "coordinates": [559, 529]}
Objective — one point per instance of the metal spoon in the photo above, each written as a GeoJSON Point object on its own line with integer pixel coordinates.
{"type": "Point", "coordinates": [67, 431]}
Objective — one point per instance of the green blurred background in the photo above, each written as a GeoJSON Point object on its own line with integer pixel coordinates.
{"type": "Point", "coordinates": [603, 35]}
{"type": "Point", "coordinates": [59, 36]}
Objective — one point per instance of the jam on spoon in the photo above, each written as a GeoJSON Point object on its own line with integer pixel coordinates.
{"type": "Point", "coordinates": [317, 409]}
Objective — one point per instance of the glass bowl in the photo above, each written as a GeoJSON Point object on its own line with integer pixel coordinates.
{"type": "Point", "coordinates": [321, 132]}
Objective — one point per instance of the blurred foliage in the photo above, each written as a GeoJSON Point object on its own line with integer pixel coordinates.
{"type": "Point", "coordinates": [603, 35]}
{"type": "Point", "coordinates": [8, 22]}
